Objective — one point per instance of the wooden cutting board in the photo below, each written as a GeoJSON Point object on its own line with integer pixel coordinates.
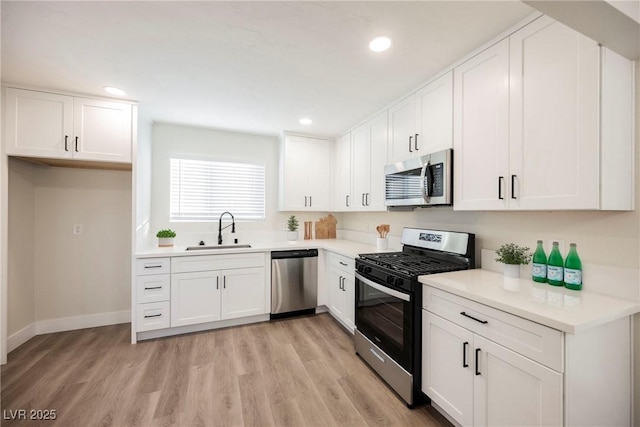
{"type": "Point", "coordinates": [326, 227]}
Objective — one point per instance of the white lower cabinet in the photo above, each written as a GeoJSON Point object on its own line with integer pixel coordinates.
{"type": "Point", "coordinates": [481, 383]}
{"type": "Point", "coordinates": [486, 367]}
{"type": "Point", "coordinates": [213, 293]}
{"type": "Point", "coordinates": [341, 282]}
{"type": "Point", "coordinates": [152, 294]}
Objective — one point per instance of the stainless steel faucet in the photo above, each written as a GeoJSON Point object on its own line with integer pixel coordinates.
{"type": "Point", "coordinates": [232, 225]}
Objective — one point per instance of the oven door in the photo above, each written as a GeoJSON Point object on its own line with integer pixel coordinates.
{"type": "Point", "coordinates": [385, 316]}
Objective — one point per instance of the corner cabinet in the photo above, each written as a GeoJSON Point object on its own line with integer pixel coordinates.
{"type": "Point", "coordinates": [359, 160]}
{"type": "Point", "coordinates": [543, 120]}
{"type": "Point", "coordinates": [483, 366]}
{"type": "Point", "coordinates": [68, 128]}
{"type": "Point", "coordinates": [305, 173]}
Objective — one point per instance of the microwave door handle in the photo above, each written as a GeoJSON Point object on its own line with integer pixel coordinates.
{"type": "Point", "coordinates": [423, 188]}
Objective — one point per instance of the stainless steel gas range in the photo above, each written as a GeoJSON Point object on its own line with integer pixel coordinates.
{"type": "Point", "coordinates": [389, 298]}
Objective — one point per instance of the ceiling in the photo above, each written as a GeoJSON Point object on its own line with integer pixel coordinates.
{"type": "Point", "coordinates": [254, 67]}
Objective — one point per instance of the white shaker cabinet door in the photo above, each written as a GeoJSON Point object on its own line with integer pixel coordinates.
{"type": "Point", "coordinates": [361, 144]}
{"type": "Point", "coordinates": [244, 292]}
{"type": "Point", "coordinates": [349, 298]}
{"type": "Point", "coordinates": [343, 200]}
{"type": "Point", "coordinates": [512, 390]}
{"type": "Point", "coordinates": [554, 142]}
{"type": "Point", "coordinates": [379, 135]}
{"type": "Point", "coordinates": [402, 124]}
{"type": "Point", "coordinates": [102, 130]}
{"type": "Point", "coordinates": [481, 130]}
{"type": "Point", "coordinates": [434, 119]}
{"type": "Point", "coordinates": [447, 366]}
{"type": "Point", "coordinates": [195, 298]}
{"type": "Point", "coordinates": [295, 194]}
{"type": "Point", "coordinates": [38, 124]}
{"type": "Point", "coordinates": [319, 181]}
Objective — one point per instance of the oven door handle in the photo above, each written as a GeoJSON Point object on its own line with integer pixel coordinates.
{"type": "Point", "coordinates": [382, 288]}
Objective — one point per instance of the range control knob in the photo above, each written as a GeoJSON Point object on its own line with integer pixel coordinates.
{"type": "Point", "coordinates": [367, 270]}
{"type": "Point", "coordinates": [399, 281]}
{"type": "Point", "coordinates": [390, 279]}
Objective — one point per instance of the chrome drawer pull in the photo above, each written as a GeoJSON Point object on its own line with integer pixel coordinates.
{"type": "Point", "coordinates": [484, 322]}
{"type": "Point", "coordinates": [153, 266]}
{"type": "Point", "coordinates": [155, 287]}
{"type": "Point", "coordinates": [342, 263]}
{"type": "Point", "coordinates": [380, 358]}
{"type": "Point", "coordinates": [153, 315]}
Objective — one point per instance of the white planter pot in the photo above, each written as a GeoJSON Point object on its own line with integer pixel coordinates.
{"type": "Point", "coordinates": [292, 236]}
{"type": "Point", "coordinates": [512, 270]}
{"type": "Point", "coordinates": [165, 242]}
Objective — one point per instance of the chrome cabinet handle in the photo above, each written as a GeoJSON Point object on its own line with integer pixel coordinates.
{"type": "Point", "coordinates": [500, 179]}
{"type": "Point", "coordinates": [76, 144]}
{"type": "Point", "coordinates": [224, 282]}
{"type": "Point", "coordinates": [217, 282]}
{"type": "Point", "coordinates": [410, 150]}
{"type": "Point", "coordinates": [310, 201]}
{"type": "Point", "coordinates": [153, 266]}
{"type": "Point", "coordinates": [415, 142]}
{"type": "Point", "coordinates": [305, 201]}
{"type": "Point", "coordinates": [347, 201]}
{"type": "Point", "coordinates": [477, 357]}
{"type": "Point", "coordinates": [513, 179]}
{"type": "Point", "coordinates": [154, 287]}
{"type": "Point", "coordinates": [366, 199]}
{"type": "Point", "coordinates": [152, 315]}
{"type": "Point", "coordinates": [66, 139]}
{"type": "Point", "coordinates": [342, 263]}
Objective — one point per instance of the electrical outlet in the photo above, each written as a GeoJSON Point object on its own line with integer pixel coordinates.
{"type": "Point", "coordinates": [77, 228]}
{"type": "Point", "coordinates": [561, 246]}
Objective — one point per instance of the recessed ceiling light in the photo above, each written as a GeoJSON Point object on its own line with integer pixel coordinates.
{"type": "Point", "coordinates": [305, 121]}
{"type": "Point", "coordinates": [114, 91]}
{"type": "Point", "coordinates": [380, 44]}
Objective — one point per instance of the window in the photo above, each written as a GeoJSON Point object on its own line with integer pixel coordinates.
{"type": "Point", "coordinates": [202, 190]}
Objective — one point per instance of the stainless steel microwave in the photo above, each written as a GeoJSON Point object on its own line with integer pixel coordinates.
{"type": "Point", "coordinates": [420, 181]}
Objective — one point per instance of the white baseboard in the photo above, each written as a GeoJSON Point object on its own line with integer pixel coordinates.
{"type": "Point", "coordinates": [80, 322]}
{"type": "Point", "coordinates": [66, 324]}
{"type": "Point", "coordinates": [22, 336]}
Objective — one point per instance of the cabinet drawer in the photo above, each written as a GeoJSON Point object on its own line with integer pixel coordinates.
{"type": "Point", "coordinates": [146, 266]}
{"type": "Point", "coordinates": [154, 315]}
{"type": "Point", "coordinates": [187, 264]}
{"type": "Point", "coordinates": [343, 263]}
{"type": "Point", "coordinates": [153, 288]}
{"type": "Point", "coordinates": [533, 340]}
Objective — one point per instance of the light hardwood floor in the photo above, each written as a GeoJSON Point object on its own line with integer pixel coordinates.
{"type": "Point", "coordinates": [295, 372]}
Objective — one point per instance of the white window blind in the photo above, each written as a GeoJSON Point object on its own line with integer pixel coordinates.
{"type": "Point", "coordinates": [202, 190]}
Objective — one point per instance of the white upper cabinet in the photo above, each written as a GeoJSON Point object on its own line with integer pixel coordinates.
{"type": "Point", "coordinates": [369, 148]}
{"type": "Point", "coordinates": [481, 130]}
{"type": "Point", "coordinates": [342, 199]}
{"type": "Point", "coordinates": [102, 130]}
{"type": "Point", "coordinates": [554, 119]}
{"type": "Point", "coordinates": [434, 116]}
{"type": "Point", "coordinates": [402, 125]}
{"type": "Point", "coordinates": [539, 126]}
{"type": "Point", "coordinates": [423, 122]}
{"type": "Point", "coordinates": [305, 174]}
{"type": "Point", "coordinates": [52, 126]}
{"type": "Point", "coordinates": [359, 161]}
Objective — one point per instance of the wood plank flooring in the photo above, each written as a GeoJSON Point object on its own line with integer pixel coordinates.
{"type": "Point", "coordinates": [294, 372]}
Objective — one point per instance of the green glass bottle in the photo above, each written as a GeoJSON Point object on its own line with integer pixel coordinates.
{"type": "Point", "coordinates": [573, 269]}
{"type": "Point", "coordinates": [555, 267]}
{"type": "Point", "coordinates": [539, 264]}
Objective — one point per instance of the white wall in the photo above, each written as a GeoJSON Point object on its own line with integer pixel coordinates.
{"type": "Point", "coordinates": [90, 273]}
{"type": "Point", "coordinates": [170, 140]}
{"type": "Point", "coordinates": [21, 257]}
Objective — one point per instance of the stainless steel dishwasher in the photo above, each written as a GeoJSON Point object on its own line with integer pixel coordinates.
{"type": "Point", "coordinates": [294, 282]}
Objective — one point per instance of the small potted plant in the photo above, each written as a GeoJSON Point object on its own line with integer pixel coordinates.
{"type": "Point", "coordinates": [512, 256]}
{"type": "Point", "coordinates": [165, 238]}
{"type": "Point", "coordinates": [292, 226]}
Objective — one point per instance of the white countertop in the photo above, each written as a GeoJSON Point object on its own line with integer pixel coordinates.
{"type": "Point", "coordinates": [556, 307]}
{"type": "Point", "coordinates": [343, 247]}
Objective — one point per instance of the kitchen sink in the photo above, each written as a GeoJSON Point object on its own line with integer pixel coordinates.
{"type": "Point", "coordinates": [205, 247]}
